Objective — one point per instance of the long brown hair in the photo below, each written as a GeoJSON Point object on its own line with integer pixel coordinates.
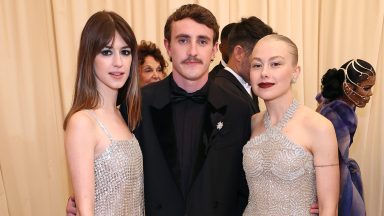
{"type": "Point", "coordinates": [99, 30]}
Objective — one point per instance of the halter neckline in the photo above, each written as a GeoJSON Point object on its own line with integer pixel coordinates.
{"type": "Point", "coordinates": [288, 114]}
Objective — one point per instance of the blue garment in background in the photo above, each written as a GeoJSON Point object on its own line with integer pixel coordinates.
{"type": "Point", "coordinates": [344, 119]}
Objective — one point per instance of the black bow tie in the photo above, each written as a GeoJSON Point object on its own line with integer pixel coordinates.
{"type": "Point", "coordinates": [178, 94]}
{"type": "Point", "coordinates": [197, 97]}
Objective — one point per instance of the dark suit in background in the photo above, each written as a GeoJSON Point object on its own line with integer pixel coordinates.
{"type": "Point", "coordinates": [241, 40]}
{"type": "Point", "coordinates": [216, 69]}
{"type": "Point", "coordinates": [223, 47]}
{"type": "Point", "coordinates": [230, 83]}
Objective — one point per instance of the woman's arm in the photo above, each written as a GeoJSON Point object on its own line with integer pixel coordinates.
{"type": "Point", "coordinates": [80, 142]}
{"type": "Point", "coordinates": [326, 163]}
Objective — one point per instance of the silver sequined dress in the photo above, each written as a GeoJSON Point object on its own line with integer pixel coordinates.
{"type": "Point", "coordinates": [280, 174]}
{"type": "Point", "coordinates": [119, 179]}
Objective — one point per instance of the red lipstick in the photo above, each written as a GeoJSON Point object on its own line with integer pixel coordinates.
{"type": "Point", "coordinates": [265, 85]}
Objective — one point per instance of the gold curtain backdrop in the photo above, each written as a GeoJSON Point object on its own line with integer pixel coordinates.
{"type": "Point", "coordinates": [39, 41]}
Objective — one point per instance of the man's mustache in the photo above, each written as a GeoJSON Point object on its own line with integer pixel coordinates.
{"type": "Point", "coordinates": [192, 59]}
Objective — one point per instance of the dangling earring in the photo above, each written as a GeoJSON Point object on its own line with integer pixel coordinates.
{"type": "Point", "coordinates": [293, 80]}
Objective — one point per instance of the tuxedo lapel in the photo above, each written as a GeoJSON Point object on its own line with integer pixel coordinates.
{"type": "Point", "coordinates": [161, 113]}
{"type": "Point", "coordinates": [214, 118]}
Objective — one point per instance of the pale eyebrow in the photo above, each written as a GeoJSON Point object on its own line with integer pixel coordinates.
{"type": "Point", "coordinates": [270, 59]}
{"type": "Point", "coordinates": [256, 58]}
{"type": "Point", "coordinates": [276, 58]}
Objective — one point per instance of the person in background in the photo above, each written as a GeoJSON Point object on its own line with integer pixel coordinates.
{"type": "Point", "coordinates": [235, 76]}
{"type": "Point", "coordinates": [342, 90]}
{"type": "Point", "coordinates": [104, 157]}
{"type": "Point", "coordinates": [291, 158]}
{"type": "Point", "coordinates": [223, 47]}
{"type": "Point", "coordinates": [152, 65]}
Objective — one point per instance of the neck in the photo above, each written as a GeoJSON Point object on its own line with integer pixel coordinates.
{"type": "Point", "coordinates": [236, 67]}
{"type": "Point", "coordinates": [188, 85]}
{"type": "Point", "coordinates": [277, 107]}
{"type": "Point", "coordinates": [348, 101]}
{"type": "Point", "coordinates": [232, 64]}
{"type": "Point", "coordinates": [108, 99]}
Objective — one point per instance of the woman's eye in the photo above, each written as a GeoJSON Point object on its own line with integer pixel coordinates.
{"type": "Point", "coordinates": [106, 52]}
{"type": "Point", "coordinates": [148, 69]}
{"type": "Point", "coordinates": [126, 52]}
{"type": "Point", "coordinates": [275, 64]}
{"type": "Point", "coordinates": [256, 66]}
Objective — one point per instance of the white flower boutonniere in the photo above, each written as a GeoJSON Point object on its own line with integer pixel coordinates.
{"type": "Point", "coordinates": [219, 125]}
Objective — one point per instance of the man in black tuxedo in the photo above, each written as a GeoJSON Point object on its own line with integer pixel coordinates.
{"type": "Point", "coordinates": [235, 77]}
{"type": "Point", "coordinates": [192, 131]}
{"type": "Point", "coordinates": [223, 47]}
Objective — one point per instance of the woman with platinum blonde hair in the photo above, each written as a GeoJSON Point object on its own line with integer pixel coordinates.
{"type": "Point", "coordinates": [291, 159]}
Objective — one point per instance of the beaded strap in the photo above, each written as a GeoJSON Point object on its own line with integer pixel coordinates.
{"type": "Point", "coordinates": [288, 114]}
{"type": "Point", "coordinates": [100, 124]}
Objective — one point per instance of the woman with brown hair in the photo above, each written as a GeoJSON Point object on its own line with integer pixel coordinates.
{"type": "Point", "coordinates": [104, 157]}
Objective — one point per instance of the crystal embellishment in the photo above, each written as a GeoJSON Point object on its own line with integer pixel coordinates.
{"type": "Point", "coordinates": [219, 125]}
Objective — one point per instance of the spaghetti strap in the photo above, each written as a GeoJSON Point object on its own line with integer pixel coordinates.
{"type": "Point", "coordinates": [100, 124]}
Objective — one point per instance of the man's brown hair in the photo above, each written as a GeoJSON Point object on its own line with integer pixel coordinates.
{"type": "Point", "coordinates": [195, 12]}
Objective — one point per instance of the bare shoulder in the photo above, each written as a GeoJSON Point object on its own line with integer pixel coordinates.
{"type": "Point", "coordinates": [81, 128]}
{"type": "Point", "coordinates": [80, 120]}
{"type": "Point", "coordinates": [320, 131]}
{"type": "Point", "coordinates": [314, 121]}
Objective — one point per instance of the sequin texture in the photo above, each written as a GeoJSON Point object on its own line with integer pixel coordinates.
{"type": "Point", "coordinates": [280, 174]}
{"type": "Point", "coordinates": [119, 178]}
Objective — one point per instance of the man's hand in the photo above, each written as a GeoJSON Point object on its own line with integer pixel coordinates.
{"type": "Point", "coordinates": [315, 208]}
{"type": "Point", "coordinates": [71, 207]}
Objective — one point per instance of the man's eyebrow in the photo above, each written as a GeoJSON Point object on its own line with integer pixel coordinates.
{"type": "Point", "coordinates": [183, 35]}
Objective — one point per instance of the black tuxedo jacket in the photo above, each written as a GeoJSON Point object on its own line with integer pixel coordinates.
{"type": "Point", "coordinates": [219, 185]}
{"type": "Point", "coordinates": [227, 81]}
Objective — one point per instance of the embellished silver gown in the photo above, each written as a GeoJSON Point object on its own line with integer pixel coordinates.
{"type": "Point", "coordinates": [280, 174]}
{"type": "Point", "coordinates": [119, 178]}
